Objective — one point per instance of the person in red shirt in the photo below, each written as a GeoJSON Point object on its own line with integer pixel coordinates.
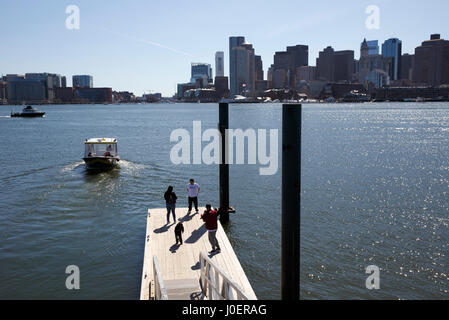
{"type": "Point", "coordinates": [210, 218]}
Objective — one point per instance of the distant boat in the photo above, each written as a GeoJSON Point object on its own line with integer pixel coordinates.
{"type": "Point", "coordinates": [28, 112]}
{"type": "Point", "coordinates": [101, 153]}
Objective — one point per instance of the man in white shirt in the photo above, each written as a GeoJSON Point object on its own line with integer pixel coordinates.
{"type": "Point", "coordinates": [193, 190]}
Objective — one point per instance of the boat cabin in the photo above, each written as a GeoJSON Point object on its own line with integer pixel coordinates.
{"type": "Point", "coordinates": [101, 147]}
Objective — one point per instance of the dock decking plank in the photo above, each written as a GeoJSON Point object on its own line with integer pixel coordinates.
{"type": "Point", "coordinates": [182, 263]}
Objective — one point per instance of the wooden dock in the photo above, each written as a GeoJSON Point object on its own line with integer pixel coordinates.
{"type": "Point", "coordinates": [180, 268]}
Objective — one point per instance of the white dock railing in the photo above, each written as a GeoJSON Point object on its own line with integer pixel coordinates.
{"type": "Point", "coordinates": [160, 293]}
{"type": "Point", "coordinates": [215, 284]}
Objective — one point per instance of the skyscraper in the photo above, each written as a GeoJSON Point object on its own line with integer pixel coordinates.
{"type": "Point", "coordinates": [335, 66]}
{"type": "Point", "coordinates": [234, 42]}
{"type": "Point", "coordinates": [431, 65]}
{"type": "Point", "coordinates": [219, 64]}
{"type": "Point", "coordinates": [201, 71]}
{"type": "Point", "coordinates": [373, 47]}
{"type": "Point", "coordinates": [289, 62]}
{"type": "Point", "coordinates": [242, 67]}
{"type": "Point", "coordinates": [259, 68]}
{"type": "Point", "coordinates": [392, 48]}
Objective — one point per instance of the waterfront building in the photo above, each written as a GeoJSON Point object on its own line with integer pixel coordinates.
{"type": "Point", "coordinates": [183, 87]}
{"type": "Point", "coordinates": [335, 66]}
{"type": "Point", "coordinates": [234, 42]}
{"type": "Point", "coordinates": [431, 65]}
{"type": "Point", "coordinates": [407, 62]}
{"type": "Point", "coordinates": [27, 91]}
{"type": "Point", "coordinates": [64, 95]}
{"type": "Point", "coordinates": [392, 48]}
{"type": "Point", "coordinates": [221, 87]}
{"type": "Point", "coordinates": [63, 82]}
{"type": "Point", "coordinates": [93, 95]}
{"type": "Point", "coordinates": [82, 81]}
{"type": "Point", "coordinates": [3, 92]}
{"type": "Point", "coordinates": [219, 64]}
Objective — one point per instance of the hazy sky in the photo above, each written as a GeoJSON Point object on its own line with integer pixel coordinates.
{"type": "Point", "coordinates": [143, 45]}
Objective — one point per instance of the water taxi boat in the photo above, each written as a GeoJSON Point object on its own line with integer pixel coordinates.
{"type": "Point", "coordinates": [28, 112]}
{"type": "Point", "coordinates": [101, 153]}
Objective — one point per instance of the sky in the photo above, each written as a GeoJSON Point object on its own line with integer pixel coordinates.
{"type": "Point", "coordinates": [147, 46]}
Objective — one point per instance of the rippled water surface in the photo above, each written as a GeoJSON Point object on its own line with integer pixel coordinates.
{"type": "Point", "coordinates": [375, 182]}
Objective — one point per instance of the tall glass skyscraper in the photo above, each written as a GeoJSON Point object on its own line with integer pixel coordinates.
{"type": "Point", "coordinates": [392, 48]}
{"type": "Point", "coordinates": [234, 42]}
{"type": "Point", "coordinates": [373, 47]}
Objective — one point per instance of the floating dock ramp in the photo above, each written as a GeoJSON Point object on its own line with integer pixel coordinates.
{"type": "Point", "coordinates": [188, 271]}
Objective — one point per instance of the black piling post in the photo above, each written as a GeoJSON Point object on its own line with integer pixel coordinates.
{"type": "Point", "coordinates": [223, 125]}
{"type": "Point", "coordinates": [291, 184]}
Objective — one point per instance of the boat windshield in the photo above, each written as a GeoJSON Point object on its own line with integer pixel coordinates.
{"type": "Point", "coordinates": [101, 150]}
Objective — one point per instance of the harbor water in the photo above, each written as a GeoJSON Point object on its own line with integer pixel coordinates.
{"type": "Point", "coordinates": [375, 183]}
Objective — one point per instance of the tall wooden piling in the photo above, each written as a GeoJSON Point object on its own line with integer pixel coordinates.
{"type": "Point", "coordinates": [291, 185]}
{"type": "Point", "coordinates": [223, 125]}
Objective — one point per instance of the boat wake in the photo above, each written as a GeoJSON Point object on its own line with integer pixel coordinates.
{"type": "Point", "coordinates": [4, 117]}
{"type": "Point", "coordinates": [72, 166]}
{"type": "Point", "coordinates": [127, 167]}
{"type": "Point", "coordinates": [131, 168]}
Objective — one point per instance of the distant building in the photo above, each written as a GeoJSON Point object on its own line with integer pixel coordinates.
{"type": "Point", "coordinates": [64, 95]}
{"type": "Point", "coordinates": [340, 90]}
{"type": "Point", "coordinates": [392, 48]}
{"type": "Point", "coordinates": [373, 47]}
{"type": "Point", "coordinates": [242, 67]}
{"type": "Point", "coordinates": [234, 63]}
{"type": "Point", "coordinates": [258, 68]}
{"type": "Point", "coordinates": [306, 73]}
{"type": "Point", "coordinates": [3, 91]}
{"type": "Point", "coordinates": [407, 62]}
{"type": "Point", "coordinates": [372, 68]}
{"type": "Point", "coordinates": [219, 64]}
{"type": "Point", "coordinates": [335, 66]}
{"type": "Point", "coordinates": [27, 91]}
{"type": "Point", "coordinates": [279, 79]}
{"type": "Point", "coordinates": [287, 62]}
{"type": "Point", "coordinates": [82, 81]}
{"type": "Point", "coordinates": [221, 87]}
{"type": "Point", "coordinates": [201, 71]}
{"type": "Point", "coordinates": [93, 95]}
{"type": "Point", "coordinates": [63, 82]}
{"type": "Point", "coordinates": [183, 87]}
{"type": "Point", "coordinates": [50, 80]}
{"type": "Point", "coordinates": [431, 65]}
{"type": "Point", "coordinates": [424, 92]}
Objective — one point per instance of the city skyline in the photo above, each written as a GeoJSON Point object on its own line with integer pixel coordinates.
{"type": "Point", "coordinates": [134, 59]}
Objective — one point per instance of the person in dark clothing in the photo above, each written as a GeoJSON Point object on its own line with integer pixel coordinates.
{"type": "Point", "coordinates": [210, 217]}
{"type": "Point", "coordinates": [179, 230]}
{"type": "Point", "coordinates": [170, 200]}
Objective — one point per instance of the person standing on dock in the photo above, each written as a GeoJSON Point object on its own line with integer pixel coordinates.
{"type": "Point", "coordinates": [210, 217]}
{"type": "Point", "coordinates": [170, 200]}
{"type": "Point", "coordinates": [193, 190]}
